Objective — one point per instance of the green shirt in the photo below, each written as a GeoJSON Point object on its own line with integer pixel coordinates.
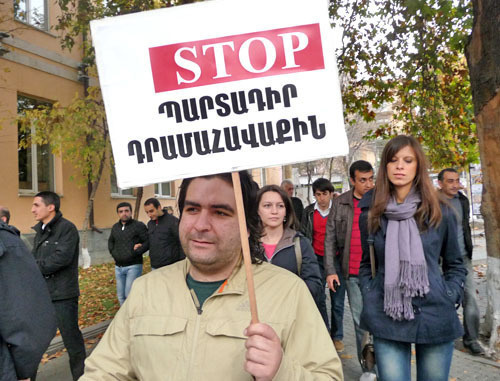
{"type": "Point", "coordinates": [202, 289]}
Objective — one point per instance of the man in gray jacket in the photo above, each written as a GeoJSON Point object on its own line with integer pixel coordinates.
{"type": "Point", "coordinates": [27, 317]}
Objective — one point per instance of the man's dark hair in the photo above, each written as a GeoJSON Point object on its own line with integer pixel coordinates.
{"type": "Point", "coordinates": [50, 198]}
{"type": "Point", "coordinates": [122, 204]}
{"type": "Point", "coordinates": [322, 185]}
{"type": "Point", "coordinates": [4, 212]}
{"type": "Point", "coordinates": [360, 166]}
{"type": "Point", "coordinates": [152, 201]}
{"type": "Point", "coordinates": [249, 194]}
{"type": "Point", "coordinates": [441, 174]}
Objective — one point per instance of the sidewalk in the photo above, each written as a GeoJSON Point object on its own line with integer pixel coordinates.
{"type": "Point", "coordinates": [465, 367]}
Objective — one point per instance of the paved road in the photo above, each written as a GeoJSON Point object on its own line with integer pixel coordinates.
{"type": "Point", "coordinates": [464, 366]}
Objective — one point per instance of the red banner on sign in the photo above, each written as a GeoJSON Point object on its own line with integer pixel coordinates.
{"type": "Point", "coordinates": [235, 58]}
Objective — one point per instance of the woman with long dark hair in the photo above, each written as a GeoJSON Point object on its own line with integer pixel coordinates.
{"type": "Point", "coordinates": [411, 299]}
{"type": "Point", "coordinates": [283, 245]}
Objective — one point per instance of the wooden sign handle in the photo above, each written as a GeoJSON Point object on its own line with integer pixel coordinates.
{"type": "Point", "coordinates": [245, 246]}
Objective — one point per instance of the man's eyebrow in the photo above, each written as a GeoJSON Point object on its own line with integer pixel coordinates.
{"type": "Point", "coordinates": [213, 206]}
{"type": "Point", "coordinates": [191, 203]}
{"type": "Point", "coordinates": [222, 206]}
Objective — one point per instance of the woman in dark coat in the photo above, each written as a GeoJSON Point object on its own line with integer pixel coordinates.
{"type": "Point", "coordinates": [277, 217]}
{"type": "Point", "coordinates": [411, 299]}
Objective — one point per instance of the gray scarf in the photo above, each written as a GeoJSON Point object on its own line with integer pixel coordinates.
{"type": "Point", "coordinates": [405, 266]}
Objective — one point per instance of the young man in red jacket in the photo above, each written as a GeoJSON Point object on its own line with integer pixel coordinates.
{"type": "Point", "coordinates": [313, 226]}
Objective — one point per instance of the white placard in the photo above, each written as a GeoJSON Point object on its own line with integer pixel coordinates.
{"type": "Point", "coordinates": [219, 86]}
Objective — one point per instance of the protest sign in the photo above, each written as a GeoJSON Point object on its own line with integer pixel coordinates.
{"type": "Point", "coordinates": [219, 86]}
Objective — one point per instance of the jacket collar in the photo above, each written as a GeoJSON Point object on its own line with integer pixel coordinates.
{"type": "Point", "coordinates": [235, 284]}
{"type": "Point", "coordinates": [366, 201]}
{"type": "Point", "coordinates": [346, 197]}
{"type": "Point", "coordinates": [126, 223]}
{"type": "Point", "coordinates": [50, 224]}
{"type": "Point", "coordinates": [286, 239]}
{"type": "Point", "coordinates": [9, 228]}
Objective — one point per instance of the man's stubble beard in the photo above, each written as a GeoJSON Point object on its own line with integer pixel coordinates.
{"type": "Point", "coordinates": [210, 264]}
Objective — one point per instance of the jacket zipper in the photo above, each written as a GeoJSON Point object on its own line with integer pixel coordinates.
{"type": "Point", "coordinates": [196, 332]}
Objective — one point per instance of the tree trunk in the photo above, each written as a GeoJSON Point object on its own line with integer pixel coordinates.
{"type": "Point", "coordinates": [483, 58]}
{"type": "Point", "coordinates": [138, 201]}
{"type": "Point", "coordinates": [309, 169]}
{"type": "Point", "coordinates": [91, 215]}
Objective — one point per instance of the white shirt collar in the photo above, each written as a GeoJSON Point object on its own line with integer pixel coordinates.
{"type": "Point", "coordinates": [323, 213]}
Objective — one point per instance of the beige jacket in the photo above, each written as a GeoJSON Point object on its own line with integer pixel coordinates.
{"type": "Point", "coordinates": [158, 333]}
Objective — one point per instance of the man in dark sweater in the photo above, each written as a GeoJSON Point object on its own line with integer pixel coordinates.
{"type": "Point", "coordinates": [127, 242]}
{"type": "Point", "coordinates": [449, 182]}
{"type": "Point", "coordinates": [163, 230]}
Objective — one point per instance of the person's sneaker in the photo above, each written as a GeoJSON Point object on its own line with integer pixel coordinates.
{"type": "Point", "coordinates": [339, 345]}
{"type": "Point", "coordinates": [367, 376]}
{"type": "Point", "coordinates": [475, 348]}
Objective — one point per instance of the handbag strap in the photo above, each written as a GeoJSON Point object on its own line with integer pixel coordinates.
{"type": "Point", "coordinates": [298, 253]}
{"type": "Point", "coordinates": [372, 256]}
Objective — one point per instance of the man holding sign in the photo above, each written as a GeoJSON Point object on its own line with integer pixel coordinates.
{"type": "Point", "coordinates": [190, 320]}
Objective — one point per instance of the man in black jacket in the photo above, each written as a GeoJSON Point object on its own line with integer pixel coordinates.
{"type": "Point", "coordinates": [449, 182]}
{"type": "Point", "coordinates": [127, 242]}
{"type": "Point", "coordinates": [56, 249]}
{"type": "Point", "coordinates": [163, 231]}
{"type": "Point", "coordinates": [27, 317]}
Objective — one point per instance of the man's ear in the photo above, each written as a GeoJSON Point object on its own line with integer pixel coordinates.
{"type": "Point", "coordinates": [351, 181]}
{"type": "Point", "coordinates": [51, 207]}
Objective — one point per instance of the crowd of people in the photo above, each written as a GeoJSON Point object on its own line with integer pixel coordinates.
{"type": "Point", "coordinates": [400, 249]}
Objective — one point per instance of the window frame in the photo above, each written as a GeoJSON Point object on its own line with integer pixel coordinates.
{"type": "Point", "coordinates": [34, 161]}
{"type": "Point", "coordinates": [159, 187]}
{"type": "Point", "coordinates": [114, 184]}
{"type": "Point", "coordinates": [263, 177]}
{"type": "Point", "coordinates": [28, 15]}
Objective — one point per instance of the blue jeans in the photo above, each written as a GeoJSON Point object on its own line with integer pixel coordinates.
{"type": "Point", "coordinates": [471, 309]}
{"type": "Point", "coordinates": [322, 301]}
{"type": "Point", "coordinates": [394, 360]}
{"type": "Point", "coordinates": [356, 305]}
{"type": "Point", "coordinates": [337, 298]}
{"type": "Point", "coordinates": [125, 276]}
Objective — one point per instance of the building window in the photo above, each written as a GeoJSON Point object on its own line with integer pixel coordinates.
{"type": "Point", "coordinates": [116, 190]}
{"type": "Point", "coordinates": [33, 12]}
{"type": "Point", "coordinates": [263, 177]}
{"type": "Point", "coordinates": [164, 189]}
{"type": "Point", "coordinates": [35, 163]}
